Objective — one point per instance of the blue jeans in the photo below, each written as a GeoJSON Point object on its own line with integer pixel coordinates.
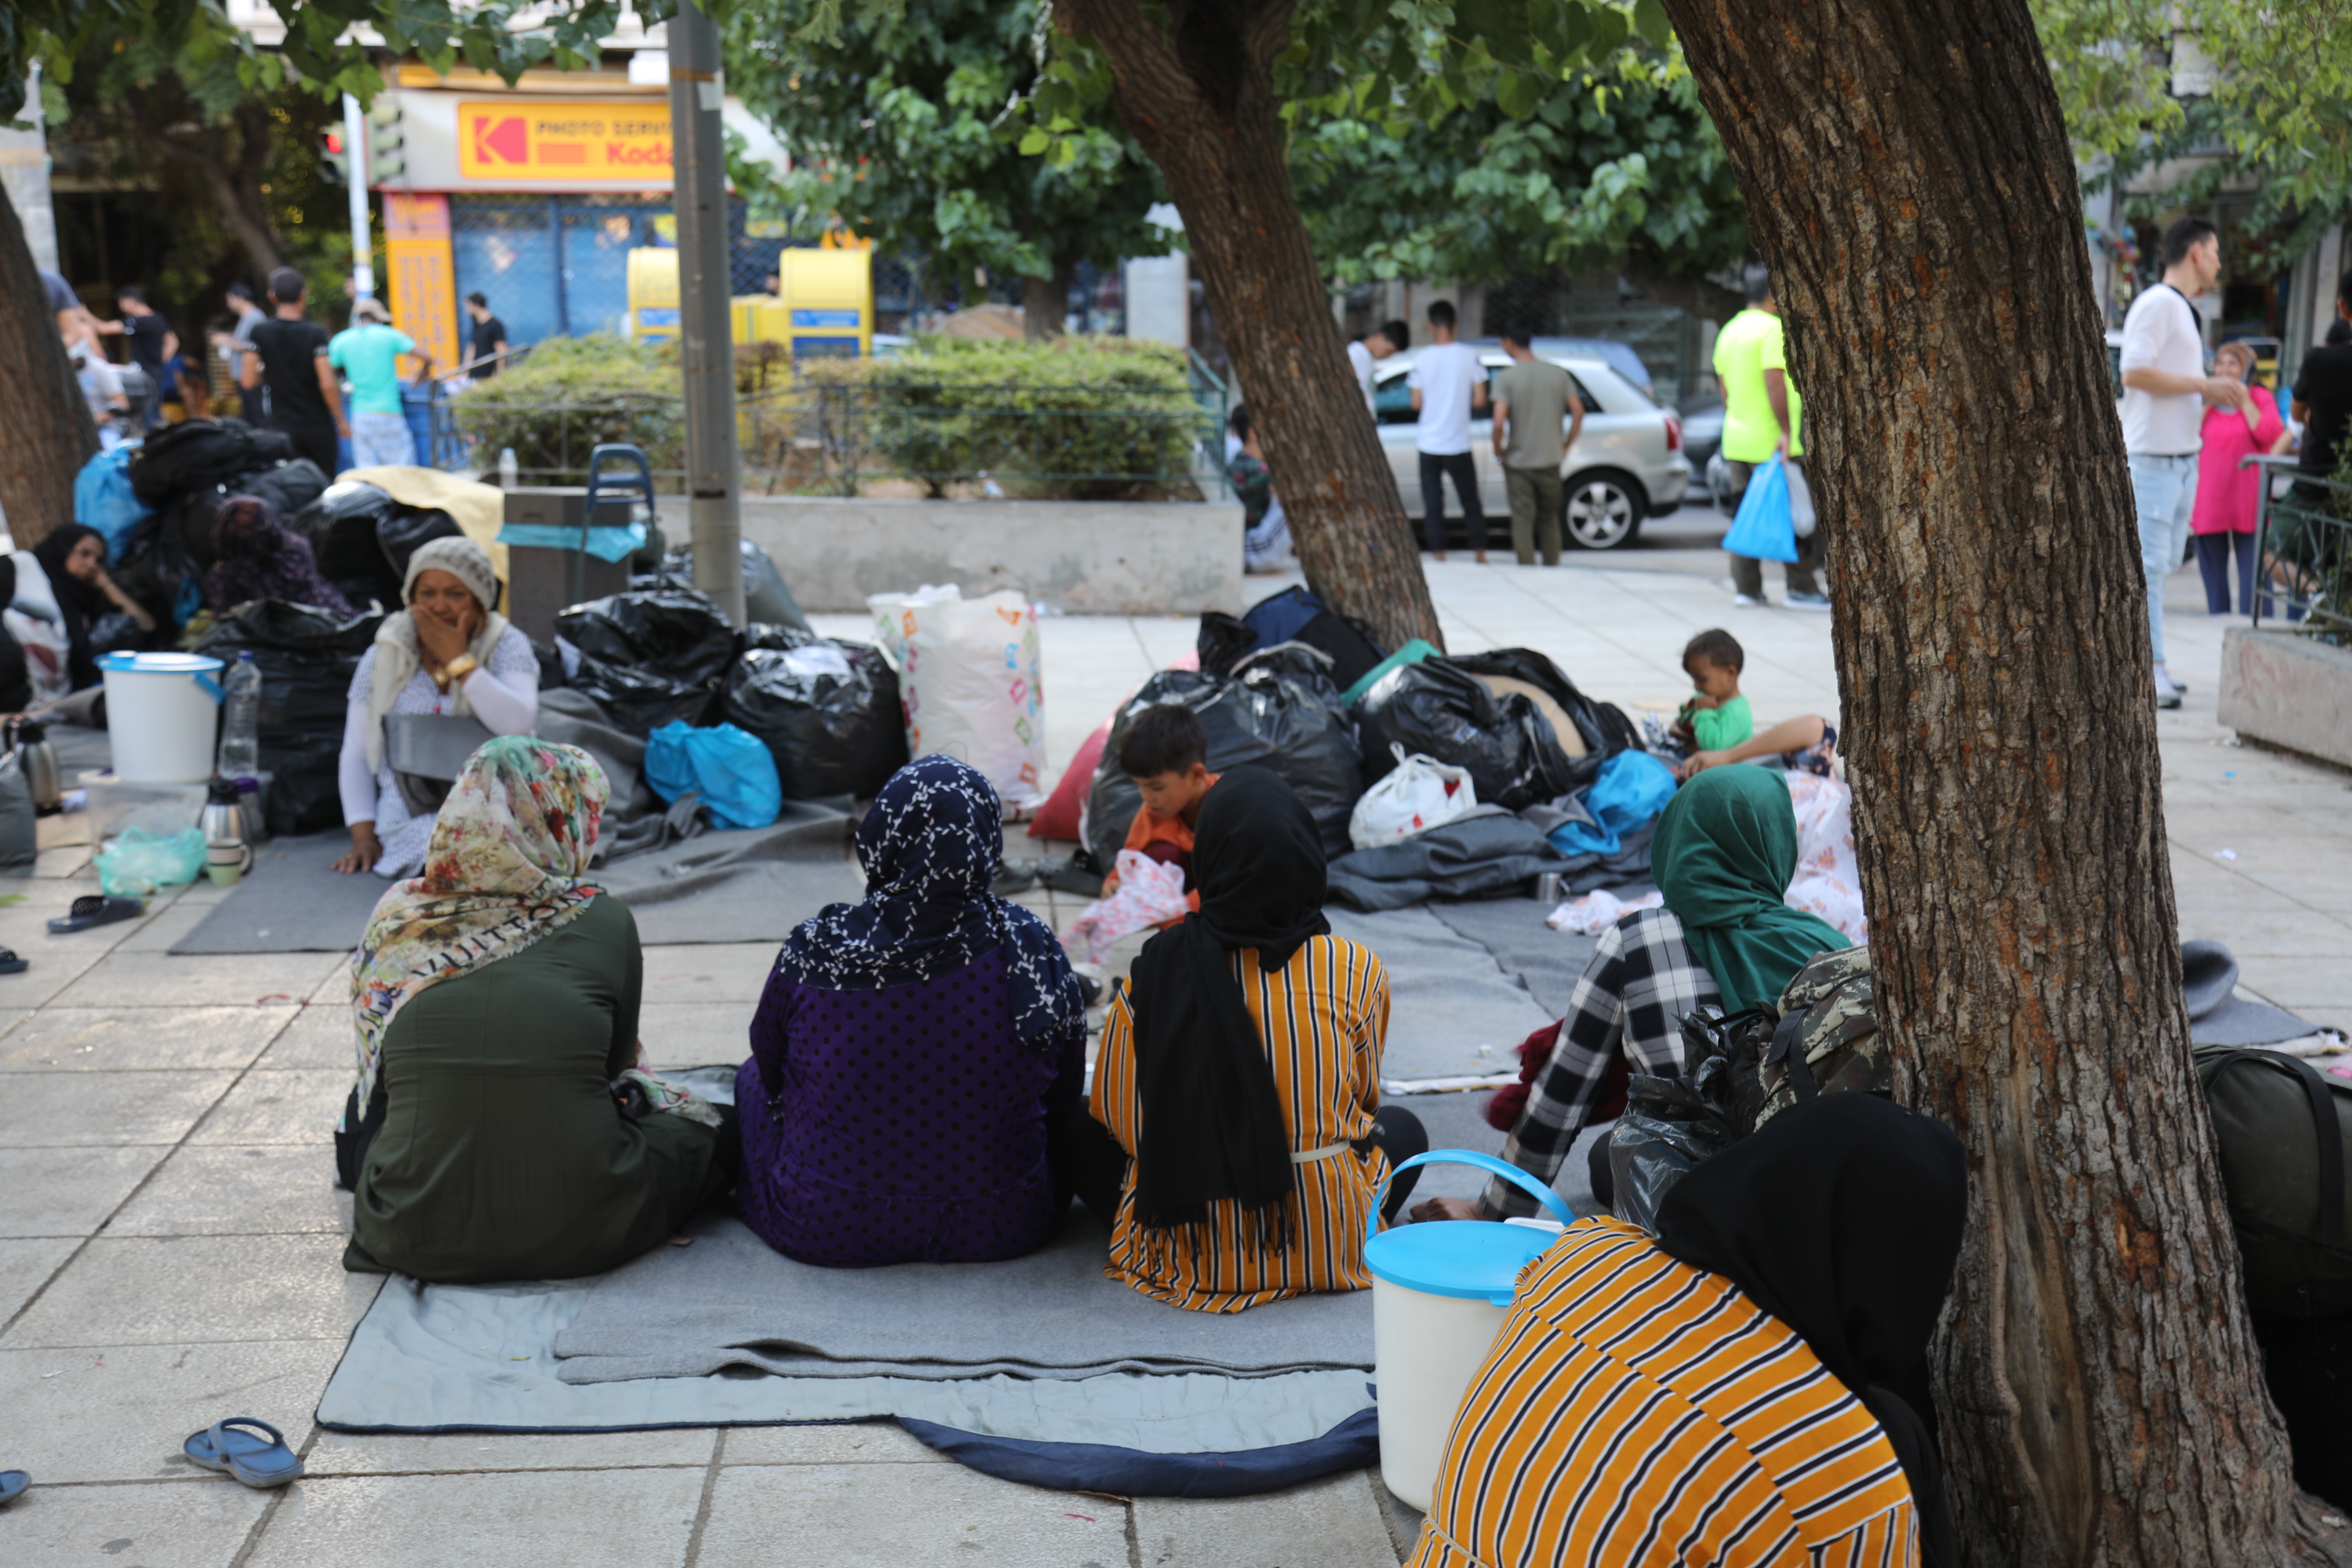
{"type": "Point", "coordinates": [2164, 492]}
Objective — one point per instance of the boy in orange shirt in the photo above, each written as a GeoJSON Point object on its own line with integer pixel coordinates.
{"type": "Point", "coordinates": [1166, 752]}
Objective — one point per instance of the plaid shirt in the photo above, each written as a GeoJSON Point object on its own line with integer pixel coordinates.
{"type": "Point", "coordinates": [1642, 978]}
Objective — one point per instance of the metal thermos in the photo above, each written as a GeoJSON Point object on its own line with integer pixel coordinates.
{"type": "Point", "coordinates": [38, 759]}
{"type": "Point", "coordinates": [226, 854]}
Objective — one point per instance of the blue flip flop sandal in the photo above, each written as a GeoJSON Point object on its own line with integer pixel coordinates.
{"type": "Point", "coordinates": [224, 1447]}
{"type": "Point", "coordinates": [96, 909]}
{"type": "Point", "coordinates": [10, 963]}
{"type": "Point", "coordinates": [12, 1486]}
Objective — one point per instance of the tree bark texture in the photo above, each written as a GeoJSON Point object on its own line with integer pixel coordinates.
{"type": "Point", "coordinates": [1908, 181]}
{"type": "Point", "coordinates": [50, 432]}
{"type": "Point", "coordinates": [1195, 88]}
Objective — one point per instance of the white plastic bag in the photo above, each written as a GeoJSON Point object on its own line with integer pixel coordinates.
{"type": "Point", "coordinates": [969, 675]}
{"type": "Point", "coordinates": [892, 623]}
{"type": "Point", "coordinates": [1149, 892]}
{"type": "Point", "coordinates": [1420, 794]}
{"type": "Point", "coordinates": [1802, 517]}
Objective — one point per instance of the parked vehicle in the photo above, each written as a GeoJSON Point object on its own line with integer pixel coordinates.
{"type": "Point", "coordinates": [1627, 465]}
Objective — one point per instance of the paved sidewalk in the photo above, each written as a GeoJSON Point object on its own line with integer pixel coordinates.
{"type": "Point", "coordinates": [170, 1243]}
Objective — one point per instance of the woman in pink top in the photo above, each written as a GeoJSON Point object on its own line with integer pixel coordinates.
{"type": "Point", "coordinates": [2229, 498]}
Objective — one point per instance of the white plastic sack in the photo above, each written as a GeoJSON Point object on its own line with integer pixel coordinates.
{"type": "Point", "coordinates": [46, 651]}
{"type": "Point", "coordinates": [35, 597]}
{"type": "Point", "coordinates": [1802, 517]}
{"type": "Point", "coordinates": [892, 623]}
{"type": "Point", "coordinates": [1598, 911]}
{"type": "Point", "coordinates": [1826, 884]}
{"type": "Point", "coordinates": [1421, 792]}
{"type": "Point", "coordinates": [967, 675]}
{"type": "Point", "coordinates": [1149, 892]}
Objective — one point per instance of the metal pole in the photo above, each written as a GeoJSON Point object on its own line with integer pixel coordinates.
{"type": "Point", "coordinates": [707, 350]}
{"type": "Point", "coordinates": [355, 154]}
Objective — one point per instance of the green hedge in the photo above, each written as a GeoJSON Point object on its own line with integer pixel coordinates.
{"type": "Point", "coordinates": [569, 394]}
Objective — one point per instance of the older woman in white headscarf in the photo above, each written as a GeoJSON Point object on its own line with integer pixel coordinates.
{"type": "Point", "coordinates": [449, 652]}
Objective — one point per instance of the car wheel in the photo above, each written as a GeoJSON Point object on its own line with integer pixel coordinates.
{"type": "Point", "coordinates": [1604, 509]}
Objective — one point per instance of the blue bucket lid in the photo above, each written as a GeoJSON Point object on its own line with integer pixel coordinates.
{"type": "Point", "coordinates": [159, 663]}
{"type": "Point", "coordinates": [1474, 1260]}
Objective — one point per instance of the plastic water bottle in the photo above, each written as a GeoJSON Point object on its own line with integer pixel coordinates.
{"type": "Point", "coordinates": [241, 746]}
{"type": "Point", "coordinates": [510, 471]}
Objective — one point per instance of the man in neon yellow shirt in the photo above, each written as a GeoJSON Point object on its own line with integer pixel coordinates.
{"type": "Point", "coordinates": [1760, 417]}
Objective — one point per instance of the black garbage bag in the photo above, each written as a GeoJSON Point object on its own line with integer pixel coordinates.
{"type": "Point", "coordinates": [767, 634]}
{"type": "Point", "coordinates": [1224, 642]}
{"type": "Point", "coordinates": [827, 709]}
{"type": "Point", "coordinates": [1602, 726]}
{"type": "Point", "coordinates": [1281, 712]}
{"type": "Point", "coordinates": [342, 526]}
{"type": "Point", "coordinates": [288, 487]}
{"type": "Point", "coordinates": [408, 529]}
{"type": "Point", "coordinates": [156, 571]}
{"type": "Point", "coordinates": [1441, 710]}
{"type": "Point", "coordinates": [307, 656]}
{"type": "Point", "coordinates": [650, 655]}
{"type": "Point", "coordinates": [765, 596]}
{"type": "Point", "coordinates": [187, 523]}
{"type": "Point", "coordinates": [198, 454]}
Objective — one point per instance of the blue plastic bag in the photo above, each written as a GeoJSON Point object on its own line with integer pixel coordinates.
{"type": "Point", "coordinates": [731, 769]}
{"type": "Point", "coordinates": [103, 498]}
{"type": "Point", "coordinates": [1630, 789]}
{"type": "Point", "coordinates": [1764, 529]}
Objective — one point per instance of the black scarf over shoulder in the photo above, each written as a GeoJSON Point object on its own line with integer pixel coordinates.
{"type": "Point", "coordinates": [1842, 1217]}
{"type": "Point", "coordinates": [1214, 1124]}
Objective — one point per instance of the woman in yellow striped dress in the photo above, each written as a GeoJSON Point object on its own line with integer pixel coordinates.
{"type": "Point", "coordinates": [1749, 1387]}
{"type": "Point", "coordinates": [1240, 1076]}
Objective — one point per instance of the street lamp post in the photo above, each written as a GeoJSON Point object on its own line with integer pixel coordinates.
{"type": "Point", "coordinates": [707, 352]}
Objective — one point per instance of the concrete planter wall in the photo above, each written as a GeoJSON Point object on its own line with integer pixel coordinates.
{"type": "Point", "coordinates": [2289, 690]}
{"type": "Point", "coordinates": [1083, 557]}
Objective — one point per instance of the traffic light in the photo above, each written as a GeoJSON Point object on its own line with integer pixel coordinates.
{"type": "Point", "coordinates": [334, 158]}
{"type": "Point", "coordinates": [387, 155]}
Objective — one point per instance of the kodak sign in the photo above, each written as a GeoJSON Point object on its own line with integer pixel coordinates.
{"type": "Point", "coordinates": [511, 139]}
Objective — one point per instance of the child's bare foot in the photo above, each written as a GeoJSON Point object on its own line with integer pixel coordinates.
{"type": "Point", "coordinates": [1481, 558]}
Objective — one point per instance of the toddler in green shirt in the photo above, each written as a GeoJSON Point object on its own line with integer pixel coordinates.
{"type": "Point", "coordinates": [1717, 716]}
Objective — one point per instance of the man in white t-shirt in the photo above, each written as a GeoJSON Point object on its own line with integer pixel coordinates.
{"type": "Point", "coordinates": [1375, 346]}
{"type": "Point", "coordinates": [2165, 394]}
{"type": "Point", "coordinates": [1448, 383]}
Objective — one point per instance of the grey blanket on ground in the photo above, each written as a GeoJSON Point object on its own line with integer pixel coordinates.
{"type": "Point", "coordinates": [2241, 1021]}
{"type": "Point", "coordinates": [1475, 857]}
{"type": "Point", "coordinates": [1452, 1011]}
{"type": "Point", "coordinates": [731, 1300]}
{"type": "Point", "coordinates": [1547, 962]}
{"type": "Point", "coordinates": [455, 1358]}
{"type": "Point", "coordinates": [749, 886]}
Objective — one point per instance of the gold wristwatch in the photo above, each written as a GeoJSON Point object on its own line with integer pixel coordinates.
{"type": "Point", "coordinates": [457, 668]}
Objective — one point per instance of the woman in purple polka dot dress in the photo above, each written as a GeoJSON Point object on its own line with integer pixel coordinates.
{"type": "Point", "coordinates": [908, 1051]}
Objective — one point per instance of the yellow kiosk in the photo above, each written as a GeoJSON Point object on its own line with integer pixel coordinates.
{"type": "Point", "coordinates": [825, 307]}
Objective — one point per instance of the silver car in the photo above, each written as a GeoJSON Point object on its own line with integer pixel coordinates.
{"type": "Point", "coordinates": [1628, 463]}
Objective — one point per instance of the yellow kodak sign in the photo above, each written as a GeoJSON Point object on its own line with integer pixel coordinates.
{"type": "Point", "coordinates": [519, 139]}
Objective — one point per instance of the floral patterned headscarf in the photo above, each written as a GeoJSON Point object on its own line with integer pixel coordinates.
{"type": "Point", "coordinates": [508, 851]}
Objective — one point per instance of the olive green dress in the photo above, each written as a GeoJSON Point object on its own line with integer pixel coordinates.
{"type": "Point", "coordinates": [503, 1155]}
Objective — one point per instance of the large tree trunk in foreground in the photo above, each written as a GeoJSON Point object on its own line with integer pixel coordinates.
{"type": "Point", "coordinates": [1198, 96]}
{"type": "Point", "coordinates": [1909, 180]}
{"type": "Point", "coordinates": [48, 435]}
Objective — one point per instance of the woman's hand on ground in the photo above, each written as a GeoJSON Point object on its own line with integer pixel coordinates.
{"type": "Point", "coordinates": [1697, 762]}
{"type": "Point", "coordinates": [1449, 1208]}
{"type": "Point", "coordinates": [365, 850]}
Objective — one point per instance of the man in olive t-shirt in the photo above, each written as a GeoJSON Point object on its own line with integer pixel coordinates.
{"type": "Point", "coordinates": [1763, 415]}
{"type": "Point", "coordinates": [1532, 398]}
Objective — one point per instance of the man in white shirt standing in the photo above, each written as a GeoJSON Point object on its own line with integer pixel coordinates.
{"type": "Point", "coordinates": [1375, 346]}
{"type": "Point", "coordinates": [1447, 385]}
{"type": "Point", "coordinates": [2165, 394]}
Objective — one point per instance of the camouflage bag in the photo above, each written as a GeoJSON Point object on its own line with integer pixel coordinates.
{"type": "Point", "coordinates": [1827, 1041]}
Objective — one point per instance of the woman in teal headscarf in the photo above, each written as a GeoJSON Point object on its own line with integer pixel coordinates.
{"type": "Point", "coordinates": [1723, 854]}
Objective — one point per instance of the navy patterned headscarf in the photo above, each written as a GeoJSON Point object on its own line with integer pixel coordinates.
{"type": "Point", "coordinates": [931, 847]}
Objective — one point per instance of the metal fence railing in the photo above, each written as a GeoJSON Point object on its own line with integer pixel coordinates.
{"type": "Point", "coordinates": [2307, 552]}
{"type": "Point", "coordinates": [819, 436]}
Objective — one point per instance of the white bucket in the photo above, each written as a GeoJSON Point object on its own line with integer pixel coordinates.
{"type": "Point", "coordinates": [163, 713]}
{"type": "Point", "coordinates": [1440, 1291]}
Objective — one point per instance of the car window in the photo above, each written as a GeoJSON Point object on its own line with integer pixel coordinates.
{"type": "Point", "coordinates": [1392, 401]}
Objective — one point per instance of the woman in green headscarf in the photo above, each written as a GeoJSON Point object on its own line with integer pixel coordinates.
{"type": "Point", "coordinates": [1724, 854]}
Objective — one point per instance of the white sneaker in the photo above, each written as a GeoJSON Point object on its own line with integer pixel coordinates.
{"type": "Point", "coordinates": [1750, 601]}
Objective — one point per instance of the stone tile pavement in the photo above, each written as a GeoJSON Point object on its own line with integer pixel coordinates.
{"type": "Point", "coordinates": [170, 1243]}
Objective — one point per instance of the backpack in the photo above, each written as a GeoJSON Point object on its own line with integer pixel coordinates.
{"type": "Point", "coordinates": [2279, 1132]}
{"type": "Point", "coordinates": [1822, 1038]}
{"type": "Point", "coordinates": [194, 455]}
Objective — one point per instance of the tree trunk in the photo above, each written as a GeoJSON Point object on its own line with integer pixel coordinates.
{"type": "Point", "coordinates": [1198, 94]}
{"type": "Point", "coordinates": [236, 187]}
{"type": "Point", "coordinates": [50, 434]}
{"type": "Point", "coordinates": [1909, 180]}
{"type": "Point", "coordinates": [1045, 301]}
